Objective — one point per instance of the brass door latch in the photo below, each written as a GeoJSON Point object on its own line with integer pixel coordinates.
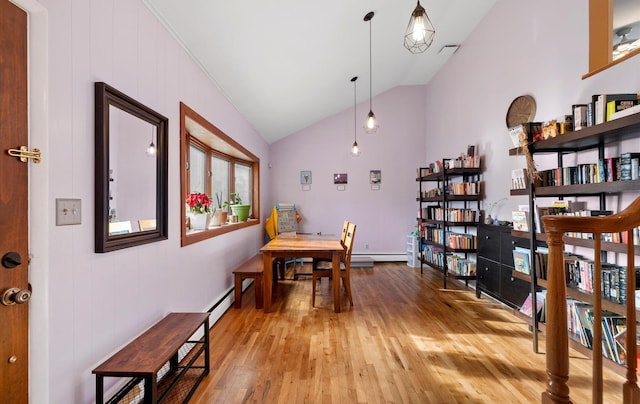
{"type": "Point", "coordinates": [24, 154]}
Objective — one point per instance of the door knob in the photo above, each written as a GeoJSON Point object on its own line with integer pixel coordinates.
{"type": "Point", "coordinates": [13, 296]}
{"type": "Point", "coordinates": [11, 260]}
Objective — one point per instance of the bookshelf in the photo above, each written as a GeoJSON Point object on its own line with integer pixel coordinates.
{"type": "Point", "coordinates": [448, 216]}
{"type": "Point", "coordinates": [596, 137]}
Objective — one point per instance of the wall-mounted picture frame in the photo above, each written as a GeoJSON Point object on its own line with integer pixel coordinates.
{"type": "Point", "coordinates": [375, 177]}
{"type": "Point", "coordinates": [305, 177]}
{"type": "Point", "coordinates": [340, 178]}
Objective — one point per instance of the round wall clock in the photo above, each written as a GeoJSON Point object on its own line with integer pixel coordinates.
{"type": "Point", "coordinates": [521, 110]}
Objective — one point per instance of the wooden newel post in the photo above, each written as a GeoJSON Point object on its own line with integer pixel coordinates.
{"type": "Point", "coordinates": [557, 339]}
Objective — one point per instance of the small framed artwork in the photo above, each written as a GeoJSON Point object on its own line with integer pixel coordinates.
{"type": "Point", "coordinates": [305, 177]}
{"type": "Point", "coordinates": [375, 177]}
{"type": "Point", "coordinates": [340, 178]}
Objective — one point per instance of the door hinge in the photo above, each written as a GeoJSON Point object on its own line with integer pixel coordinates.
{"type": "Point", "coordinates": [24, 154]}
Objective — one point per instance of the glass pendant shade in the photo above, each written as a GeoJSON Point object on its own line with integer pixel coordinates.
{"type": "Point", "coordinates": [420, 31]}
{"type": "Point", "coordinates": [151, 150]}
{"type": "Point", "coordinates": [355, 149]}
{"type": "Point", "coordinates": [371, 124]}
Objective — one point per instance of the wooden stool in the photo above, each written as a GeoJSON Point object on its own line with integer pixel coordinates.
{"type": "Point", "coordinates": [251, 269]}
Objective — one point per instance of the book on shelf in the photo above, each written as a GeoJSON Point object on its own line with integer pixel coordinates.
{"type": "Point", "coordinates": [579, 116]}
{"type": "Point", "coordinates": [520, 220]}
{"type": "Point", "coordinates": [600, 102]}
{"type": "Point", "coordinates": [619, 105]}
{"type": "Point", "coordinates": [518, 135]}
{"type": "Point", "coordinates": [522, 260]}
{"type": "Point", "coordinates": [526, 307]}
{"type": "Point", "coordinates": [519, 178]}
{"type": "Point", "coordinates": [625, 112]}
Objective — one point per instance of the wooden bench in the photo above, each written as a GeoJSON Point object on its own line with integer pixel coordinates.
{"type": "Point", "coordinates": [163, 358]}
{"type": "Point", "coordinates": [250, 269]}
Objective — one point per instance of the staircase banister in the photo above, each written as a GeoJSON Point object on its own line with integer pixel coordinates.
{"type": "Point", "coordinates": [627, 219]}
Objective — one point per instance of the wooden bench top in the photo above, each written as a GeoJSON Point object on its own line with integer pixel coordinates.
{"type": "Point", "coordinates": [146, 354]}
{"type": "Point", "coordinates": [253, 265]}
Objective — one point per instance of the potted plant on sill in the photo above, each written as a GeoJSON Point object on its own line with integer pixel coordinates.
{"type": "Point", "coordinates": [238, 208]}
{"type": "Point", "coordinates": [199, 210]}
{"type": "Point", "coordinates": [221, 212]}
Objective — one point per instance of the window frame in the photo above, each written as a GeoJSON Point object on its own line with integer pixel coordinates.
{"type": "Point", "coordinates": [215, 141]}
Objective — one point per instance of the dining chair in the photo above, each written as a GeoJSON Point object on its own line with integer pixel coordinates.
{"type": "Point", "coordinates": [323, 269]}
{"type": "Point", "coordinates": [343, 236]}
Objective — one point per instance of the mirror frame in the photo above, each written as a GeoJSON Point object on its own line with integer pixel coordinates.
{"type": "Point", "coordinates": [106, 96]}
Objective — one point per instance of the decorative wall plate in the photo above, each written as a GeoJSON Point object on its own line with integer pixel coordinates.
{"type": "Point", "coordinates": [521, 110]}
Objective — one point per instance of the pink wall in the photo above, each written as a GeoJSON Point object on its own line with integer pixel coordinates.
{"type": "Point", "coordinates": [384, 217]}
{"type": "Point", "coordinates": [95, 303]}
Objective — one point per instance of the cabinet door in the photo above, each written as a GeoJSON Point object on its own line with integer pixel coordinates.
{"type": "Point", "coordinates": [488, 275]}
{"type": "Point", "coordinates": [513, 290]}
{"type": "Point", "coordinates": [489, 242]}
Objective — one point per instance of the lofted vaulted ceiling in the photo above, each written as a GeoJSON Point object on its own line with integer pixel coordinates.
{"type": "Point", "coordinates": [287, 64]}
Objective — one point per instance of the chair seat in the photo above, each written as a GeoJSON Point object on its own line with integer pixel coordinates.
{"type": "Point", "coordinates": [326, 265]}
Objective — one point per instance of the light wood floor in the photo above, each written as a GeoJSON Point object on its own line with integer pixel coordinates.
{"type": "Point", "coordinates": [406, 340]}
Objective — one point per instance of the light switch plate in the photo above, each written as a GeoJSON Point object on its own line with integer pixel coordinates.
{"type": "Point", "coordinates": [68, 211]}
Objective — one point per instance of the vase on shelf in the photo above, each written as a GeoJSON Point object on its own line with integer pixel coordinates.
{"type": "Point", "coordinates": [199, 221]}
{"type": "Point", "coordinates": [219, 217]}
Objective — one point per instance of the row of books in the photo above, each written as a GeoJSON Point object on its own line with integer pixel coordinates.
{"type": "Point", "coordinates": [602, 108]}
{"type": "Point", "coordinates": [460, 265]}
{"type": "Point", "coordinates": [469, 160]}
{"type": "Point", "coordinates": [434, 255]}
{"type": "Point", "coordinates": [430, 193]}
{"type": "Point", "coordinates": [626, 167]}
{"type": "Point", "coordinates": [581, 327]}
{"type": "Point", "coordinates": [465, 161]}
{"type": "Point", "coordinates": [450, 214]}
{"type": "Point", "coordinates": [464, 188]}
{"type": "Point", "coordinates": [453, 240]}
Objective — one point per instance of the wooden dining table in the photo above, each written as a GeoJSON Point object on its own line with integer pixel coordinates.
{"type": "Point", "coordinates": [305, 246]}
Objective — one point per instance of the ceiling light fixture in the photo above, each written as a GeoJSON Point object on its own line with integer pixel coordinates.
{"type": "Point", "coordinates": [625, 45]}
{"type": "Point", "coordinates": [371, 124]}
{"type": "Point", "coordinates": [151, 150]}
{"type": "Point", "coordinates": [420, 31]}
{"type": "Point", "coordinates": [355, 150]}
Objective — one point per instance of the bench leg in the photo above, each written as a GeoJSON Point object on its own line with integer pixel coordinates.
{"type": "Point", "coordinates": [257, 282]}
{"type": "Point", "coordinates": [237, 292]}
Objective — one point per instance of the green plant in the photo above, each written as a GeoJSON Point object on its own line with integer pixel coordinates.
{"type": "Point", "coordinates": [219, 201]}
{"type": "Point", "coordinates": [235, 198]}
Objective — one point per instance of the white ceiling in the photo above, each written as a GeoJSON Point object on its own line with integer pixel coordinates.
{"type": "Point", "coordinates": [287, 64]}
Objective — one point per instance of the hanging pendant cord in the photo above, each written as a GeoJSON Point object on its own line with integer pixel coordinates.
{"type": "Point", "coordinates": [370, 75]}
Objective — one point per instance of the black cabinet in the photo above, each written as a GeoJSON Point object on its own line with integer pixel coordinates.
{"type": "Point", "coordinates": [495, 265]}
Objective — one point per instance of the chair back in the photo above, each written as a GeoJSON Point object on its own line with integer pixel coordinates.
{"type": "Point", "coordinates": [348, 245]}
{"type": "Point", "coordinates": [343, 236]}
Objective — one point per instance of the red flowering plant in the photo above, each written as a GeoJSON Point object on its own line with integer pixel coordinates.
{"type": "Point", "coordinates": [198, 203]}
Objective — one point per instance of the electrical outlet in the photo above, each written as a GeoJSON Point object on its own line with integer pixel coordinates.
{"type": "Point", "coordinates": [366, 246]}
{"type": "Point", "coordinates": [68, 211]}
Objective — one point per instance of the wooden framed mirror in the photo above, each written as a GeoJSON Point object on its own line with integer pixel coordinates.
{"type": "Point", "coordinates": [131, 163]}
{"type": "Point", "coordinates": [607, 18]}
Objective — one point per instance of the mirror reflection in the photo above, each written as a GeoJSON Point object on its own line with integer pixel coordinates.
{"type": "Point", "coordinates": [626, 27]}
{"type": "Point", "coordinates": [132, 173]}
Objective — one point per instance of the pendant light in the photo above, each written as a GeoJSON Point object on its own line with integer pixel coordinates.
{"type": "Point", "coordinates": [420, 31]}
{"type": "Point", "coordinates": [371, 124]}
{"type": "Point", "coordinates": [151, 150]}
{"type": "Point", "coordinates": [355, 150]}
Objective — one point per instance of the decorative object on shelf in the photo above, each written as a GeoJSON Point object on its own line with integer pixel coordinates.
{"type": "Point", "coordinates": [238, 208]}
{"type": "Point", "coordinates": [371, 125]}
{"type": "Point", "coordinates": [199, 210]}
{"type": "Point", "coordinates": [355, 150]}
{"type": "Point", "coordinates": [221, 212]}
{"type": "Point", "coordinates": [420, 31]}
{"type": "Point", "coordinates": [490, 207]}
{"type": "Point", "coordinates": [521, 110]}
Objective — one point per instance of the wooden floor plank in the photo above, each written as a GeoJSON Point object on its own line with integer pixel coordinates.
{"type": "Point", "coordinates": [405, 340]}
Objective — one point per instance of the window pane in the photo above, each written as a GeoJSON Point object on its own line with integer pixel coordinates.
{"type": "Point", "coordinates": [197, 172]}
{"type": "Point", "coordinates": [243, 182]}
{"type": "Point", "coordinates": [220, 178]}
